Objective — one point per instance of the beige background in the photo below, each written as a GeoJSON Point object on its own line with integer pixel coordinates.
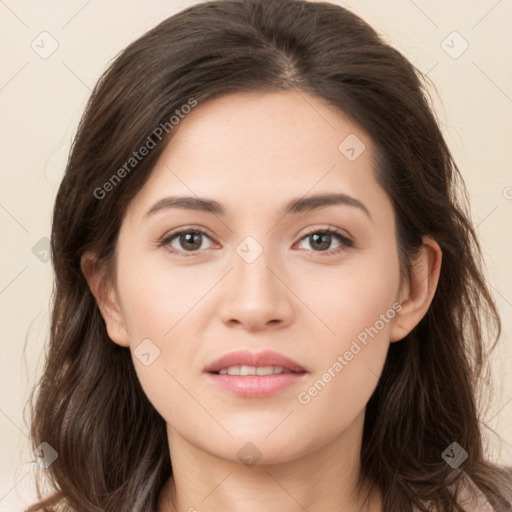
{"type": "Point", "coordinates": [41, 100]}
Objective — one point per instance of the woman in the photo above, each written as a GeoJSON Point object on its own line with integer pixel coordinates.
{"type": "Point", "coordinates": [268, 296]}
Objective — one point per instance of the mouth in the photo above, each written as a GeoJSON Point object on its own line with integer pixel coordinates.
{"type": "Point", "coordinates": [255, 375]}
{"type": "Point", "coordinates": [244, 362]}
{"type": "Point", "coordinates": [254, 370]}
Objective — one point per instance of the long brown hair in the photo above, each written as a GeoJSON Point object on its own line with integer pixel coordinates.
{"type": "Point", "coordinates": [427, 395]}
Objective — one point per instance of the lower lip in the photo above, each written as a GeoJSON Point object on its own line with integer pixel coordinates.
{"type": "Point", "coordinates": [256, 386]}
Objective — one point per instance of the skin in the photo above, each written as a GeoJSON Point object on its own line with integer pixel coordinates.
{"type": "Point", "coordinates": [254, 153]}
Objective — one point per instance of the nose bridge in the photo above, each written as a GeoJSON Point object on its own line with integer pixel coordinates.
{"type": "Point", "coordinates": [255, 296]}
{"type": "Point", "coordinates": [252, 276]}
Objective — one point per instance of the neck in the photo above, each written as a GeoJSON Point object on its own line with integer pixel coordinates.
{"type": "Point", "coordinates": [322, 479]}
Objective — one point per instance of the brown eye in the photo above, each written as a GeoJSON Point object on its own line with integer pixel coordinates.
{"type": "Point", "coordinates": [321, 241]}
{"type": "Point", "coordinates": [185, 241]}
{"type": "Point", "coordinates": [191, 240]}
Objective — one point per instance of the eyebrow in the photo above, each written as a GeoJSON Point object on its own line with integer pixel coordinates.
{"type": "Point", "coordinates": [296, 206]}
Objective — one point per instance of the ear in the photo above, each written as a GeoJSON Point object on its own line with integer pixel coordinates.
{"type": "Point", "coordinates": [417, 296]}
{"type": "Point", "coordinates": [106, 298]}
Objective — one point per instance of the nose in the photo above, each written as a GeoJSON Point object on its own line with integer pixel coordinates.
{"type": "Point", "coordinates": [256, 296]}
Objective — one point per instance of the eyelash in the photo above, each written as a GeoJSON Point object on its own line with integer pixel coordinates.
{"type": "Point", "coordinates": [345, 242]}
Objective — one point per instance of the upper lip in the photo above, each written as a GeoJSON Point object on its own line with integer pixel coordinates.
{"type": "Point", "coordinates": [247, 358]}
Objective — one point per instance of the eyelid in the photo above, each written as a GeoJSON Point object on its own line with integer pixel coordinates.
{"type": "Point", "coordinates": [328, 229]}
{"type": "Point", "coordinates": [188, 228]}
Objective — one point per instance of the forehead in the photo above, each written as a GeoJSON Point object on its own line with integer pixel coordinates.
{"type": "Point", "coordinates": [256, 149]}
{"type": "Point", "coordinates": [287, 125]}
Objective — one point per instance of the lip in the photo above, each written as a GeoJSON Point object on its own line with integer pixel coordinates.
{"type": "Point", "coordinates": [255, 386]}
{"type": "Point", "coordinates": [247, 358]}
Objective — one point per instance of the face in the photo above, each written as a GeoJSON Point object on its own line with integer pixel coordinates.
{"type": "Point", "coordinates": [264, 269]}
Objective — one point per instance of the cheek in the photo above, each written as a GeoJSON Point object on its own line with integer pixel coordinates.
{"type": "Point", "coordinates": [158, 304]}
{"type": "Point", "coordinates": [157, 297]}
{"type": "Point", "coordinates": [349, 363]}
{"type": "Point", "coordinates": [358, 306]}
{"type": "Point", "coordinates": [340, 394]}
{"type": "Point", "coordinates": [357, 297]}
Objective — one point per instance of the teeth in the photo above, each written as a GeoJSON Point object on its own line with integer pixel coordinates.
{"type": "Point", "coordinates": [253, 370]}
